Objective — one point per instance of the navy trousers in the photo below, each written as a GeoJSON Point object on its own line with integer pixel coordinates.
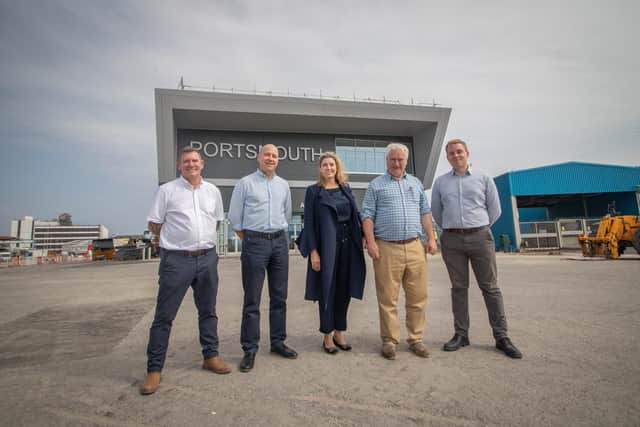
{"type": "Point", "coordinates": [260, 255]}
{"type": "Point", "coordinates": [177, 273]}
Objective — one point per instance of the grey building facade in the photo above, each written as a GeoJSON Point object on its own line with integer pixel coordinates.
{"type": "Point", "coordinates": [230, 129]}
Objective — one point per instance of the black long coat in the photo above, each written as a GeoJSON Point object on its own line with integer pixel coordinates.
{"type": "Point", "coordinates": [320, 223]}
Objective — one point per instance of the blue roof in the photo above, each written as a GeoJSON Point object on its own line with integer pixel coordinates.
{"type": "Point", "coordinates": [573, 178]}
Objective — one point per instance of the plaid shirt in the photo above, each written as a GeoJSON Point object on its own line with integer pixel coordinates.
{"type": "Point", "coordinates": [396, 207]}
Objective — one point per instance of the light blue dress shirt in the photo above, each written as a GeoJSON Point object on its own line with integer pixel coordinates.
{"type": "Point", "coordinates": [466, 201]}
{"type": "Point", "coordinates": [260, 204]}
{"type": "Point", "coordinates": [396, 207]}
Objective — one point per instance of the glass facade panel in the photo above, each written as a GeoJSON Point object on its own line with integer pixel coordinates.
{"type": "Point", "coordinates": [362, 155]}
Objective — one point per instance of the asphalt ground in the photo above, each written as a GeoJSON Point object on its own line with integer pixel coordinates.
{"type": "Point", "coordinates": [73, 339]}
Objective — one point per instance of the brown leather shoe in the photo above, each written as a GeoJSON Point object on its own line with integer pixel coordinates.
{"type": "Point", "coordinates": [151, 383]}
{"type": "Point", "coordinates": [389, 351]}
{"type": "Point", "coordinates": [419, 349]}
{"type": "Point", "coordinates": [217, 365]}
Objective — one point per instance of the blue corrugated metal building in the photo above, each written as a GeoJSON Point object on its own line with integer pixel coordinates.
{"type": "Point", "coordinates": [565, 190]}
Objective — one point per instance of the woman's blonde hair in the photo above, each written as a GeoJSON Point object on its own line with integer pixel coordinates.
{"type": "Point", "coordinates": [341, 176]}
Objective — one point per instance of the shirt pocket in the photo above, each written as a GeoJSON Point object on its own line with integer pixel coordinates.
{"type": "Point", "coordinates": [412, 194]}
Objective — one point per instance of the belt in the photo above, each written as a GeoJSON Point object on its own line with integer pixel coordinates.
{"type": "Point", "coordinates": [401, 242]}
{"type": "Point", "coordinates": [268, 236]}
{"type": "Point", "coordinates": [199, 252]}
{"type": "Point", "coordinates": [465, 230]}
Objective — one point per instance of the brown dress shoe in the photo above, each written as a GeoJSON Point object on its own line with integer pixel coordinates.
{"type": "Point", "coordinates": [419, 349]}
{"type": "Point", "coordinates": [151, 383]}
{"type": "Point", "coordinates": [217, 365]}
{"type": "Point", "coordinates": [389, 351]}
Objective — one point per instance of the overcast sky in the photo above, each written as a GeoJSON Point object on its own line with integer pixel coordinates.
{"type": "Point", "coordinates": [529, 83]}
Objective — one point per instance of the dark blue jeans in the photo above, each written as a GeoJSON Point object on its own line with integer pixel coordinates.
{"type": "Point", "coordinates": [260, 255]}
{"type": "Point", "coordinates": [177, 273]}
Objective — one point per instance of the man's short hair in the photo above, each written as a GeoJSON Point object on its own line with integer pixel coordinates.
{"type": "Point", "coordinates": [190, 149]}
{"type": "Point", "coordinates": [396, 146]}
{"type": "Point", "coordinates": [456, 141]}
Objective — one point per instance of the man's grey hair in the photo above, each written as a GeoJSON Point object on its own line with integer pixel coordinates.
{"type": "Point", "coordinates": [396, 146]}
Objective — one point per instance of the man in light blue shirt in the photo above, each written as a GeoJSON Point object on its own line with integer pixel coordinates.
{"type": "Point", "coordinates": [465, 204]}
{"type": "Point", "coordinates": [395, 214]}
{"type": "Point", "coordinates": [259, 213]}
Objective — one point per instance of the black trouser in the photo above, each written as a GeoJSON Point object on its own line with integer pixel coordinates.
{"type": "Point", "coordinates": [333, 311]}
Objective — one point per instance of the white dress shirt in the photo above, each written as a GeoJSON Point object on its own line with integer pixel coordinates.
{"type": "Point", "coordinates": [189, 216]}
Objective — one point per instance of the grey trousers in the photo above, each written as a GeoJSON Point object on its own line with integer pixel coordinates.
{"type": "Point", "coordinates": [458, 249]}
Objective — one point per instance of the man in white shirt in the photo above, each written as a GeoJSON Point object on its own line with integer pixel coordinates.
{"type": "Point", "coordinates": [185, 214]}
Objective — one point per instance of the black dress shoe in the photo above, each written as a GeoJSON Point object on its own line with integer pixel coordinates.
{"type": "Point", "coordinates": [284, 351]}
{"type": "Point", "coordinates": [506, 346]}
{"type": "Point", "coordinates": [330, 350]}
{"type": "Point", "coordinates": [246, 364]}
{"type": "Point", "coordinates": [456, 342]}
{"type": "Point", "coordinates": [346, 346]}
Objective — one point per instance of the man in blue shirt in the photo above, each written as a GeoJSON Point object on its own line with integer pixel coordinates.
{"type": "Point", "coordinates": [395, 212]}
{"type": "Point", "coordinates": [259, 213]}
{"type": "Point", "coordinates": [465, 205]}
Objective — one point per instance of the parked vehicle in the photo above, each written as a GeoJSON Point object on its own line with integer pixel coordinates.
{"type": "Point", "coordinates": [615, 233]}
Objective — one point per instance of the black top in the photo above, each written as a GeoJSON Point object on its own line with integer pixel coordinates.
{"type": "Point", "coordinates": [342, 204]}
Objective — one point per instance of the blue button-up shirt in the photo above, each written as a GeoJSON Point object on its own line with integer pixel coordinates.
{"type": "Point", "coordinates": [466, 201]}
{"type": "Point", "coordinates": [395, 206]}
{"type": "Point", "coordinates": [260, 204]}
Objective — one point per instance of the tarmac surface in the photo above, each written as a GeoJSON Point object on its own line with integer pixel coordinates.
{"type": "Point", "coordinates": [73, 340]}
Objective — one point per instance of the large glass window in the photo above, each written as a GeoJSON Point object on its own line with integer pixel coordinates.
{"type": "Point", "coordinates": [361, 155]}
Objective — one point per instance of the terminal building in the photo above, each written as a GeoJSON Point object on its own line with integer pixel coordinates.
{"type": "Point", "coordinates": [230, 128]}
{"type": "Point", "coordinates": [548, 207]}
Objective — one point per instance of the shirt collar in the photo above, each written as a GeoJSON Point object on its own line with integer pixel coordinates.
{"type": "Point", "coordinates": [389, 176]}
{"type": "Point", "coordinates": [469, 171]}
{"type": "Point", "coordinates": [263, 175]}
{"type": "Point", "coordinates": [188, 184]}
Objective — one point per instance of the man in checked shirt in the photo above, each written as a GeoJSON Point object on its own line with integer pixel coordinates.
{"type": "Point", "coordinates": [395, 215]}
{"type": "Point", "coordinates": [465, 204]}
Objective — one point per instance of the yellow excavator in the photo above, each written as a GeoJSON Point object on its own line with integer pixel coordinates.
{"type": "Point", "coordinates": [615, 234]}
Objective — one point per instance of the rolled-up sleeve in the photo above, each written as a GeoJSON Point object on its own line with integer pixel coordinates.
{"type": "Point", "coordinates": [369, 205]}
{"type": "Point", "coordinates": [425, 208]}
{"type": "Point", "coordinates": [158, 208]}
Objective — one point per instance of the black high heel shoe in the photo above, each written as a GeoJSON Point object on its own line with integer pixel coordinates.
{"type": "Point", "coordinates": [332, 350]}
{"type": "Point", "coordinates": [345, 347]}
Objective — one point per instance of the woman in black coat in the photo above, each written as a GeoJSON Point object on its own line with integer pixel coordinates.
{"type": "Point", "coordinates": [332, 239]}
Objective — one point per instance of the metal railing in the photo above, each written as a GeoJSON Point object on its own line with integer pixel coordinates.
{"type": "Point", "coordinates": [312, 95]}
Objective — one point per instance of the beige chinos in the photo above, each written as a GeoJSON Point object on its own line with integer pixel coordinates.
{"type": "Point", "coordinates": [401, 265]}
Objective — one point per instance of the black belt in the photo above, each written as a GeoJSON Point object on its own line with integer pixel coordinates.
{"type": "Point", "coordinates": [402, 242]}
{"type": "Point", "coordinates": [465, 230]}
{"type": "Point", "coordinates": [199, 252]}
{"type": "Point", "coordinates": [268, 236]}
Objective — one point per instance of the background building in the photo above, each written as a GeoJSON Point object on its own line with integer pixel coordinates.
{"type": "Point", "coordinates": [51, 236]}
{"type": "Point", "coordinates": [231, 128]}
{"type": "Point", "coordinates": [548, 207]}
